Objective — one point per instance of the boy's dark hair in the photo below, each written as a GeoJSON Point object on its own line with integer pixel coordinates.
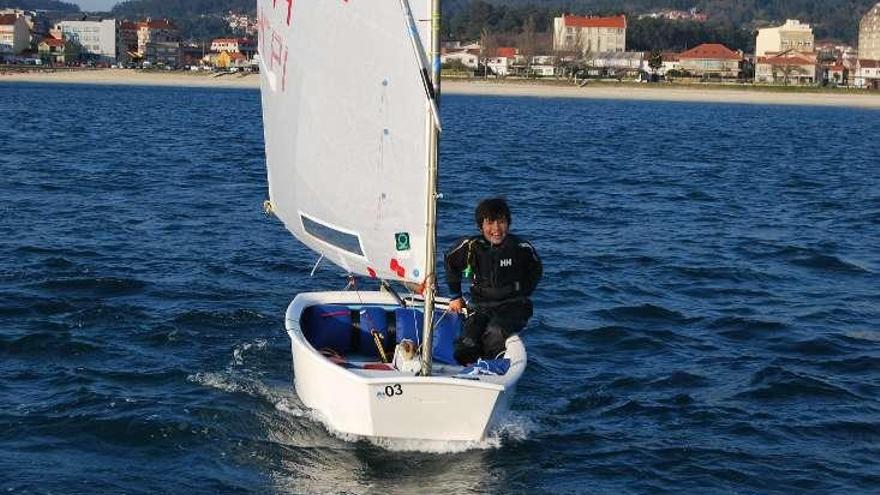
{"type": "Point", "coordinates": [491, 209]}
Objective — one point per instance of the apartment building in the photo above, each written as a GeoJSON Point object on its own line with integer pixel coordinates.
{"type": "Point", "coordinates": [869, 35]}
{"type": "Point", "coordinates": [791, 36]}
{"type": "Point", "coordinates": [15, 35]}
{"type": "Point", "coordinates": [96, 40]}
{"type": "Point", "coordinates": [589, 34]}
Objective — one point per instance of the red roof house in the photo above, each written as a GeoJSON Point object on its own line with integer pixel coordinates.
{"type": "Point", "coordinates": [506, 51]}
{"type": "Point", "coordinates": [711, 60]}
{"type": "Point", "coordinates": [713, 51]}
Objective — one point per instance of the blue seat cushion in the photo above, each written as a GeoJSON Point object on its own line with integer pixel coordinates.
{"type": "Point", "coordinates": [328, 326]}
{"type": "Point", "coordinates": [409, 324]}
{"type": "Point", "coordinates": [447, 327]}
{"type": "Point", "coordinates": [372, 318]}
{"type": "Point", "coordinates": [446, 330]}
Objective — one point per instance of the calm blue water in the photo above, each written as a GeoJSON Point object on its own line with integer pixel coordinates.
{"type": "Point", "coordinates": [709, 320]}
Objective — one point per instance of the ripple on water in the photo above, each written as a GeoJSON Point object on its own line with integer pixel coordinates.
{"type": "Point", "coordinates": [96, 286]}
{"type": "Point", "coordinates": [643, 312]}
{"type": "Point", "coordinates": [777, 384]}
{"type": "Point", "coordinates": [742, 328]}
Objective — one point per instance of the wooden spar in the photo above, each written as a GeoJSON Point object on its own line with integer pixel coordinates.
{"type": "Point", "coordinates": [433, 133]}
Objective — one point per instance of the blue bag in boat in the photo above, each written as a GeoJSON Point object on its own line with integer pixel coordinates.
{"type": "Point", "coordinates": [487, 367]}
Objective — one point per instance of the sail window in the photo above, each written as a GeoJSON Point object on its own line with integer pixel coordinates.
{"type": "Point", "coordinates": [330, 235]}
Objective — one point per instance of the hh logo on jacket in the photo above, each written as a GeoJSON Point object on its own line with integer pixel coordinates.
{"type": "Point", "coordinates": [507, 262]}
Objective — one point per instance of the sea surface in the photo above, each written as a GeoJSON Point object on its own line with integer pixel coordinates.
{"type": "Point", "coordinates": [708, 322]}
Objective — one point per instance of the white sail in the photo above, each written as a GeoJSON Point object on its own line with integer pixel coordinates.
{"type": "Point", "coordinates": [344, 111]}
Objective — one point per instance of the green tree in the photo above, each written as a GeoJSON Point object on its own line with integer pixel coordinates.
{"type": "Point", "coordinates": [655, 62]}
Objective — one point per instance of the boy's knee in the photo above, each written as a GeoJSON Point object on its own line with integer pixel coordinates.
{"type": "Point", "coordinates": [466, 351]}
{"type": "Point", "coordinates": [494, 339]}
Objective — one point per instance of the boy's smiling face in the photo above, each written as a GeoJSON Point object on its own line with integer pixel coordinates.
{"type": "Point", "coordinates": [494, 231]}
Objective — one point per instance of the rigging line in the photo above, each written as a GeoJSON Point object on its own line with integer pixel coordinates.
{"type": "Point", "coordinates": [415, 320]}
{"type": "Point", "coordinates": [315, 268]}
{"type": "Point", "coordinates": [371, 325]}
{"type": "Point", "coordinates": [419, 52]}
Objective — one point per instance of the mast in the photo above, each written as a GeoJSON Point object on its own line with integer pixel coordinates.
{"type": "Point", "coordinates": [433, 137]}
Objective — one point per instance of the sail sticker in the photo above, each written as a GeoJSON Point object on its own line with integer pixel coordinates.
{"type": "Point", "coordinates": [397, 268]}
{"type": "Point", "coordinates": [371, 272]}
{"type": "Point", "coordinates": [401, 241]}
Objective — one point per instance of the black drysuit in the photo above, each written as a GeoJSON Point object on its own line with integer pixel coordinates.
{"type": "Point", "coordinates": [503, 277]}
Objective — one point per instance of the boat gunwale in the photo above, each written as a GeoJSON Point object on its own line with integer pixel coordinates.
{"type": "Point", "coordinates": [302, 300]}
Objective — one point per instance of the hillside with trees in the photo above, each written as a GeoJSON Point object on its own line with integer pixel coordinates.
{"type": "Point", "coordinates": [51, 5]}
{"type": "Point", "coordinates": [732, 22]}
{"type": "Point", "coordinates": [197, 19]}
{"type": "Point", "coordinates": [831, 19]}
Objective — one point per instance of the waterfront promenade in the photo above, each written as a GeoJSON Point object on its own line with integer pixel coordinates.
{"type": "Point", "coordinates": [597, 90]}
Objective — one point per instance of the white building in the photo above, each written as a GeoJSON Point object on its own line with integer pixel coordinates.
{"type": "Point", "coordinates": [15, 35]}
{"type": "Point", "coordinates": [96, 39]}
{"type": "Point", "coordinates": [544, 65]}
{"type": "Point", "coordinates": [234, 45]}
{"type": "Point", "coordinates": [869, 35]}
{"type": "Point", "coordinates": [670, 63]}
{"type": "Point", "coordinates": [791, 36]}
{"type": "Point", "coordinates": [500, 66]}
{"type": "Point", "coordinates": [589, 34]}
{"type": "Point", "coordinates": [868, 74]}
{"type": "Point", "coordinates": [466, 57]}
{"type": "Point", "coordinates": [625, 61]}
{"type": "Point", "coordinates": [788, 68]}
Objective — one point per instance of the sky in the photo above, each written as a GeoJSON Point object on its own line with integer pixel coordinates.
{"type": "Point", "coordinates": [89, 5]}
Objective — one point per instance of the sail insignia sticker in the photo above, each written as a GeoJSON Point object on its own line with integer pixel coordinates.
{"type": "Point", "coordinates": [401, 240]}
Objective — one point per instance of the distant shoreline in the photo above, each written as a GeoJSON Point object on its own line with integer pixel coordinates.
{"type": "Point", "coordinates": [541, 89]}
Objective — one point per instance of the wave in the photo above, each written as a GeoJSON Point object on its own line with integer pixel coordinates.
{"type": "Point", "coordinates": [57, 343]}
{"type": "Point", "coordinates": [680, 379]}
{"type": "Point", "coordinates": [58, 252]}
{"type": "Point", "coordinates": [826, 262]}
{"type": "Point", "coordinates": [853, 365]}
{"type": "Point", "coordinates": [643, 312]}
{"type": "Point", "coordinates": [813, 347]}
{"type": "Point", "coordinates": [717, 274]}
{"type": "Point", "coordinates": [582, 403]}
{"type": "Point", "coordinates": [101, 286]}
{"type": "Point", "coordinates": [838, 429]}
{"type": "Point", "coordinates": [776, 384]}
{"type": "Point", "coordinates": [805, 257]}
{"type": "Point", "coordinates": [742, 329]}
{"type": "Point", "coordinates": [864, 335]}
{"type": "Point", "coordinates": [219, 319]}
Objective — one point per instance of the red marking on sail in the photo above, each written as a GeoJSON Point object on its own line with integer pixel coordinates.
{"type": "Point", "coordinates": [371, 272]}
{"type": "Point", "coordinates": [289, 10]}
{"type": "Point", "coordinates": [397, 268]}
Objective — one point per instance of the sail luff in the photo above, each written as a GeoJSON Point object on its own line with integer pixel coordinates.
{"type": "Point", "coordinates": [431, 227]}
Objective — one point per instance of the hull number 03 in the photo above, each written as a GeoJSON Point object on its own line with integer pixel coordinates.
{"type": "Point", "coordinates": [392, 390]}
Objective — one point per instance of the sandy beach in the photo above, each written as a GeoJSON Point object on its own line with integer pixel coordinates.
{"type": "Point", "coordinates": [596, 90]}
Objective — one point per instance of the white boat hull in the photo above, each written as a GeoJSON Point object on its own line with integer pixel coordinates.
{"type": "Point", "coordinates": [392, 404]}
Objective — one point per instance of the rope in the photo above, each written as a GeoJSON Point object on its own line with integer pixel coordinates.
{"type": "Point", "coordinates": [377, 340]}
